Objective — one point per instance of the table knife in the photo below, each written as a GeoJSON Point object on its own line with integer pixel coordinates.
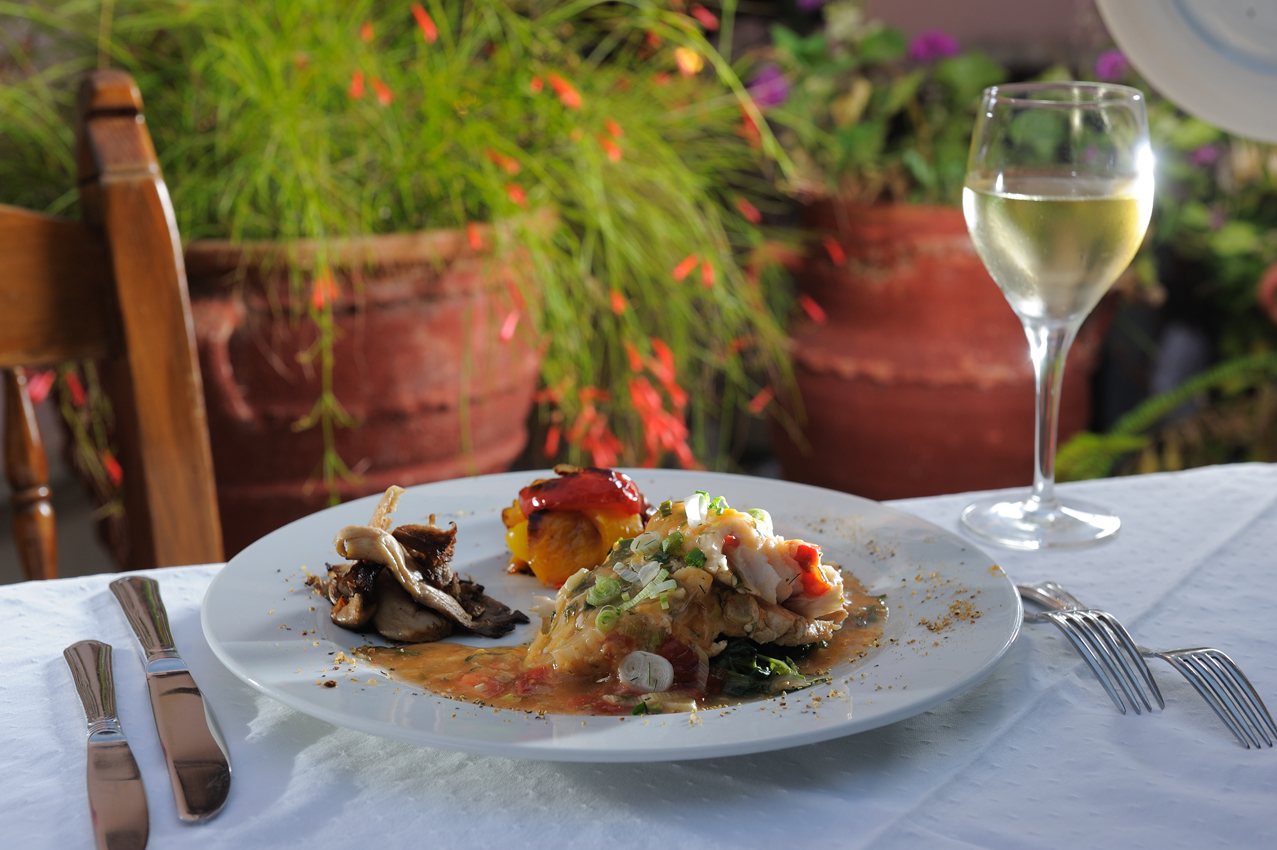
{"type": "Point", "coordinates": [117, 799]}
{"type": "Point", "coordinates": [197, 763]}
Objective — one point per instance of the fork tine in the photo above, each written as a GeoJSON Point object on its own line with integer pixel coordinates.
{"type": "Point", "coordinates": [1110, 656]}
{"type": "Point", "coordinates": [1140, 664]}
{"type": "Point", "coordinates": [1224, 675]}
{"type": "Point", "coordinates": [1070, 629]}
{"type": "Point", "coordinates": [1207, 692]}
{"type": "Point", "coordinates": [1240, 678]}
{"type": "Point", "coordinates": [1096, 622]}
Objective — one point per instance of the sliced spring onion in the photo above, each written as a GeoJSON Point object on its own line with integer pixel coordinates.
{"type": "Point", "coordinates": [627, 572]}
{"type": "Point", "coordinates": [606, 619]}
{"type": "Point", "coordinates": [673, 545]}
{"type": "Point", "coordinates": [667, 507]}
{"type": "Point", "coordinates": [647, 572]}
{"type": "Point", "coordinates": [646, 672]}
{"type": "Point", "coordinates": [718, 505]}
{"type": "Point", "coordinates": [604, 591]}
{"type": "Point", "coordinates": [662, 586]}
{"type": "Point", "coordinates": [697, 506]}
{"type": "Point", "coordinates": [762, 521]}
{"type": "Point", "coordinates": [575, 580]}
{"type": "Point", "coordinates": [645, 592]}
{"type": "Point", "coordinates": [647, 543]}
{"type": "Point", "coordinates": [695, 558]}
{"type": "Point", "coordinates": [665, 602]}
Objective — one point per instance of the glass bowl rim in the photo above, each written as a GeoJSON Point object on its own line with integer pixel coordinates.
{"type": "Point", "coordinates": [1104, 95]}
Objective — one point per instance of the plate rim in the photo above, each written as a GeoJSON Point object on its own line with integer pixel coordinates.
{"type": "Point", "coordinates": [1155, 36]}
{"type": "Point", "coordinates": [555, 749]}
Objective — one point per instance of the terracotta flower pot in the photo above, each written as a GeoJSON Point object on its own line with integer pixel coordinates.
{"type": "Point", "coordinates": [919, 382]}
{"type": "Point", "coordinates": [419, 363]}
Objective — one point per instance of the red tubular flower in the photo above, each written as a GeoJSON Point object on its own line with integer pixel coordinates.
{"type": "Point", "coordinates": [653, 40]}
{"type": "Point", "coordinates": [112, 467]}
{"type": "Point", "coordinates": [614, 129]}
{"type": "Point", "coordinates": [612, 148]}
{"type": "Point", "coordinates": [536, 85]}
{"type": "Point", "coordinates": [689, 62]}
{"type": "Point", "coordinates": [551, 441]}
{"type": "Point", "coordinates": [836, 254]}
{"type": "Point", "coordinates": [75, 388]}
{"type": "Point", "coordinates": [811, 308]}
{"type": "Point", "coordinates": [759, 403]}
{"type": "Point", "coordinates": [507, 163]}
{"type": "Point", "coordinates": [618, 302]}
{"type": "Point", "coordinates": [39, 384]}
{"type": "Point", "coordinates": [707, 274]}
{"type": "Point", "coordinates": [741, 343]}
{"type": "Point", "coordinates": [632, 352]}
{"type": "Point", "coordinates": [751, 213]}
{"type": "Point", "coordinates": [705, 16]}
{"type": "Point", "coordinates": [384, 95]}
{"type": "Point", "coordinates": [515, 193]}
{"type": "Point", "coordinates": [365, 32]}
{"type": "Point", "coordinates": [357, 85]}
{"type": "Point", "coordinates": [684, 268]}
{"type": "Point", "coordinates": [323, 290]}
{"type": "Point", "coordinates": [508, 326]}
{"type": "Point", "coordinates": [473, 237]}
{"type": "Point", "coordinates": [567, 93]}
{"type": "Point", "coordinates": [427, 24]}
{"type": "Point", "coordinates": [661, 78]}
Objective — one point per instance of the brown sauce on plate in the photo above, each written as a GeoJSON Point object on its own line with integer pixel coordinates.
{"type": "Point", "coordinates": [496, 676]}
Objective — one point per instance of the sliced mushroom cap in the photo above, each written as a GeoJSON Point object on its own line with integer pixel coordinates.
{"type": "Point", "coordinates": [349, 588]}
{"type": "Point", "coordinates": [372, 544]}
{"type": "Point", "coordinates": [355, 612]}
{"type": "Point", "coordinates": [399, 617]}
{"type": "Point", "coordinates": [431, 547]}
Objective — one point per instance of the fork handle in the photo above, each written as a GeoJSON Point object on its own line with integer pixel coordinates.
{"type": "Point", "coordinates": [1048, 594]}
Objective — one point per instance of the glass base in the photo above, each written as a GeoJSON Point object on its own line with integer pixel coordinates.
{"type": "Point", "coordinates": [1033, 524]}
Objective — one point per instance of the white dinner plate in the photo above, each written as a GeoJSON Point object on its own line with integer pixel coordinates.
{"type": "Point", "coordinates": [269, 630]}
{"type": "Point", "coordinates": [1216, 59]}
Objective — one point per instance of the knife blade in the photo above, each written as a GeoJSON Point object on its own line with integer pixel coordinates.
{"type": "Point", "coordinates": [198, 766]}
{"type": "Point", "coordinates": [117, 799]}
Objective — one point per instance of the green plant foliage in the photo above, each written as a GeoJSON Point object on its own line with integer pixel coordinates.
{"type": "Point", "coordinates": [865, 120]}
{"type": "Point", "coordinates": [295, 119]}
{"type": "Point", "coordinates": [1089, 455]}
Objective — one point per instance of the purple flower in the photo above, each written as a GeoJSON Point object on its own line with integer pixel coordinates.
{"type": "Point", "coordinates": [1205, 155]}
{"type": "Point", "coordinates": [932, 45]}
{"type": "Point", "coordinates": [1111, 66]}
{"type": "Point", "coordinates": [811, 5]}
{"type": "Point", "coordinates": [769, 86]}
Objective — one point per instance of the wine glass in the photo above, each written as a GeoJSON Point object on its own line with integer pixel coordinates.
{"type": "Point", "coordinates": [1058, 193]}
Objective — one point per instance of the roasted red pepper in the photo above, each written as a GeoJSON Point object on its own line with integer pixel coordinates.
{"type": "Point", "coordinates": [582, 489]}
{"type": "Point", "coordinates": [808, 557]}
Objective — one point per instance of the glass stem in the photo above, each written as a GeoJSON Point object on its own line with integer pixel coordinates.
{"type": "Point", "coordinates": [1048, 347]}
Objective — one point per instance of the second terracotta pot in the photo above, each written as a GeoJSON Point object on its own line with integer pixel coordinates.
{"type": "Point", "coordinates": [420, 364]}
{"type": "Point", "coordinates": [919, 382]}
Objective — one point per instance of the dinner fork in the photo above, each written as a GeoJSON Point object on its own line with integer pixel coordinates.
{"type": "Point", "coordinates": [1100, 639]}
{"type": "Point", "coordinates": [1214, 675]}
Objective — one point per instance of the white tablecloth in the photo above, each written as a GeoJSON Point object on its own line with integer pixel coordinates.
{"type": "Point", "coordinates": [1034, 756]}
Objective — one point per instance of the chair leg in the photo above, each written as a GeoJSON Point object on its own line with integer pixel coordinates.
{"type": "Point", "coordinates": [26, 467]}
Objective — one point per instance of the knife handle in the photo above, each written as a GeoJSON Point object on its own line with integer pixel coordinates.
{"type": "Point", "coordinates": [90, 663]}
{"type": "Point", "coordinates": [143, 608]}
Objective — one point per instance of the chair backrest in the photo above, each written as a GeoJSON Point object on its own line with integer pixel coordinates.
{"type": "Point", "coordinates": [111, 287]}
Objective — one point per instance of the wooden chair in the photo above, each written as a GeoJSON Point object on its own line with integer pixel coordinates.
{"type": "Point", "coordinates": [111, 287]}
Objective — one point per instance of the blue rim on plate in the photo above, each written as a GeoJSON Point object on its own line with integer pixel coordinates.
{"type": "Point", "coordinates": [953, 613]}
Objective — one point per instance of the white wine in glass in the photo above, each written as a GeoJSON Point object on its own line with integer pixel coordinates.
{"type": "Point", "coordinates": [1058, 194]}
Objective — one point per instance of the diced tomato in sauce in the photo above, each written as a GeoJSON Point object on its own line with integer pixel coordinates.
{"type": "Point", "coordinates": [586, 488]}
{"type": "Point", "coordinates": [730, 542]}
{"type": "Point", "coordinates": [808, 557]}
